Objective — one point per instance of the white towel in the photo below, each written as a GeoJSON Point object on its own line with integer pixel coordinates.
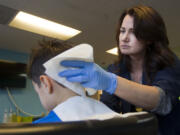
{"type": "Point", "coordinates": [82, 52]}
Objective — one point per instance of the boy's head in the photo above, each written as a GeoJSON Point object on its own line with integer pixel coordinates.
{"type": "Point", "coordinates": [50, 92]}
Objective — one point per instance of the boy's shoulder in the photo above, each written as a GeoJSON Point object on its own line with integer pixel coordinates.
{"type": "Point", "coordinates": [50, 118]}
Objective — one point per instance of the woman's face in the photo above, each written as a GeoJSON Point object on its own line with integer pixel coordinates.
{"type": "Point", "coordinates": [128, 43]}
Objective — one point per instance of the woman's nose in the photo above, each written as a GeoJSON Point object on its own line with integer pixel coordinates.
{"type": "Point", "coordinates": [125, 37]}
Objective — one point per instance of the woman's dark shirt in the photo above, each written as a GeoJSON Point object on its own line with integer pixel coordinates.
{"type": "Point", "coordinates": [168, 79]}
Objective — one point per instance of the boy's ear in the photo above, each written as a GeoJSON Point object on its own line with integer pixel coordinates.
{"type": "Point", "coordinates": [46, 83]}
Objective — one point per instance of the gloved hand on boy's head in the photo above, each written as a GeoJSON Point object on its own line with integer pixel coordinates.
{"type": "Point", "coordinates": [89, 75]}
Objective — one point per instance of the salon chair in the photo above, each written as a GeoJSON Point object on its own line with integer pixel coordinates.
{"type": "Point", "coordinates": [145, 124]}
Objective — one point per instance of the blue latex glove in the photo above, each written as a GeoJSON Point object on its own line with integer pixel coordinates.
{"type": "Point", "coordinates": [90, 75]}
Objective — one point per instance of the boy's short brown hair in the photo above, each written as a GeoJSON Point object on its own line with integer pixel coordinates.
{"type": "Point", "coordinates": [38, 56]}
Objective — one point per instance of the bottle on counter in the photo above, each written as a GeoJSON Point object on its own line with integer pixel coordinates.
{"type": "Point", "coordinates": [5, 116]}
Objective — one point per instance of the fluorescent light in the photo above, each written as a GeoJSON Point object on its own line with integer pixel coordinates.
{"type": "Point", "coordinates": [42, 26]}
{"type": "Point", "coordinates": [113, 51]}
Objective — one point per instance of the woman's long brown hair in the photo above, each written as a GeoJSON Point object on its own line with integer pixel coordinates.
{"type": "Point", "coordinates": [150, 28]}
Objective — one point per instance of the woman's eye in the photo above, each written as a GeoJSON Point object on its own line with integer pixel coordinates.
{"type": "Point", "coordinates": [132, 31]}
{"type": "Point", "coordinates": [122, 31]}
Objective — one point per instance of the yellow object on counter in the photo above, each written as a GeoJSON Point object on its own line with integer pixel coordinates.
{"type": "Point", "coordinates": [17, 118]}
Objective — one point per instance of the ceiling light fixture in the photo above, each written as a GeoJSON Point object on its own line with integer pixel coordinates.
{"type": "Point", "coordinates": [42, 26]}
{"type": "Point", "coordinates": [113, 51]}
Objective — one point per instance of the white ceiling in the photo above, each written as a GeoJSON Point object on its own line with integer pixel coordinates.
{"type": "Point", "coordinates": [97, 19]}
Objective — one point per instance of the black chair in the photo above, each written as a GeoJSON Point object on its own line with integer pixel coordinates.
{"type": "Point", "coordinates": [145, 124]}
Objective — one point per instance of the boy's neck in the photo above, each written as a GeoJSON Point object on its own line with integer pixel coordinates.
{"type": "Point", "coordinates": [62, 94]}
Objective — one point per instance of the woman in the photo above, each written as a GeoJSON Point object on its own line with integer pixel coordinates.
{"type": "Point", "coordinates": [146, 74]}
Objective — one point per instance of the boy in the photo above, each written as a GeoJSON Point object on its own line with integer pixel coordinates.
{"type": "Point", "coordinates": [63, 104]}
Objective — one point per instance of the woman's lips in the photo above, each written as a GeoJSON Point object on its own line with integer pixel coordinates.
{"type": "Point", "coordinates": [125, 46]}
